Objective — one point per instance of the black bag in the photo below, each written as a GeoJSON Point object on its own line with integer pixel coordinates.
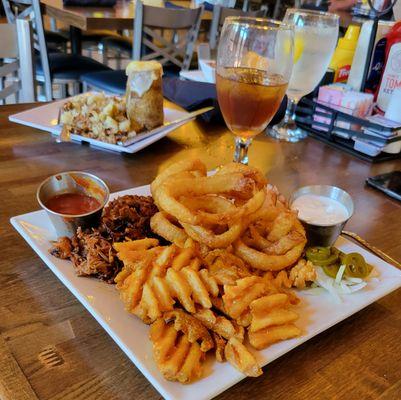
{"type": "Point", "coordinates": [90, 3]}
{"type": "Point", "coordinates": [193, 95]}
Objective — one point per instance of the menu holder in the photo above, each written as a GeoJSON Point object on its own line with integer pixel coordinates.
{"type": "Point", "coordinates": [330, 128]}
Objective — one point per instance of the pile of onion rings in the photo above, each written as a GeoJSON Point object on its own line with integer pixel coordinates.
{"type": "Point", "coordinates": [234, 208]}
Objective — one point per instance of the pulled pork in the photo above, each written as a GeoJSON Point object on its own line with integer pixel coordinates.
{"type": "Point", "coordinates": [128, 217]}
{"type": "Point", "coordinates": [92, 252]}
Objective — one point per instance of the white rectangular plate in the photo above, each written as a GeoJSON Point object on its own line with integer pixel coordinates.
{"type": "Point", "coordinates": [46, 117]}
{"type": "Point", "coordinates": [317, 313]}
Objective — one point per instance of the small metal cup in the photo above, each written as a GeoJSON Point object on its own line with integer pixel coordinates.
{"type": "Point", "coordinates": [320, 234]}
{"type": "Point", "coordinates": [73, 182]}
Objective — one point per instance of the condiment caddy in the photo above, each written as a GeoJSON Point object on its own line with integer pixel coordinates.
{"type": "Point", "coordinates": [329, 125]}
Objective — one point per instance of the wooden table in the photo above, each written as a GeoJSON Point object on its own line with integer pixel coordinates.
{"type": "Point", "coordinates": [359, 358]}
{"type": "Point", "coordinates": [119, 17]}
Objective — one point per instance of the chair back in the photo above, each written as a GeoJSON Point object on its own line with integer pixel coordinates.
{"type": "Point", "coordinates": [220, 14]}
{"type": "Point", "coordinates": [30, 10]}
{"type": "Point", "coordinates": [16, 48]}
{"type": "Point", "coordinates": [148, 23]}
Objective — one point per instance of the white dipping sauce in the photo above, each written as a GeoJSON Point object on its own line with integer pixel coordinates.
{"type": "Point", "coordinates": [320, 210]}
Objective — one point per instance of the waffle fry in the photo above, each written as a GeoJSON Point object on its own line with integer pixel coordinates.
{"type": "Point", "coordinates": [266, 337]}
{"type": "Point", "coordinates": [275, 286]}
{"type": "Point", "coordinates": [193, 329]}
{"type": "Point", "coordinates": [269, 311]}
{"type": "Point", "coordinates": [256, 303]}
{"type": "Point", "coordinates": [220, 345]}
{"type": "Point", "coordinates": [220, 325]}
{"type": "Point", "coordinates": [241, 358]}
{"type": "Point", "coordinates": [238, 297]}
{"type": "Point", "coordinates": [151, 285]}
{"type": "Point", "coordinates": [281, 280]}
{"type": "Point", "coordinates": [225, 267]}
{"type": "Point", "coordinates": [298, 276]}
{"type": "Point", "coordinates": [272, 321]}
{"type": "Point", "coordinates": [176, 357]}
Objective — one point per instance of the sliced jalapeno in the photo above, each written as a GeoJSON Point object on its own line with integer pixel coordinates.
{"type": "Point", "coordinates": [317, 253]}
{"type": "Point", "coordinates": [355, 265]}
{"type": "Point", "coordinates": [331, 270]}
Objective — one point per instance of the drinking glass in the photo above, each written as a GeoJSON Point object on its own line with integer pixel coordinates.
{"type": "Point", "coordinates": [254, 63]}
{"type": "Point", "coordinates": [316, 36]}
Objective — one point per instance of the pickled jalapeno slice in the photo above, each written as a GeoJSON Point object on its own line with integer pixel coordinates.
{"type": "Point", "coordinates": [355, 265]}
{"type": "Point", "coordinates": [317, 253]}
{"type": "Point", "coordinates": [331, 270]}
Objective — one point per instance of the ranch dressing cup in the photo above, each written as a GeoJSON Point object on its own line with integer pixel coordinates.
{"type": "Point", "coordinates": [323, 210]}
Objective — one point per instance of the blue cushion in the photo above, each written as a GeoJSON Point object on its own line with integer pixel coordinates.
{"type": "Point", "coordinates": [97, 35]}
{"type": "Point", "coordinates": [69, 66]}
{"type": "Point", "coordinates": [120, 43]}
{"type": "Point", "coordinates": [110, 81]}
{"type": "Point", "coordinates": [169, 4]}
{"type": "Point", "coordinates": [115, 81]}
{"type": "Point", "coordinates": [55, 37]}
{"type": "Point", "coordinates": [208, 6]}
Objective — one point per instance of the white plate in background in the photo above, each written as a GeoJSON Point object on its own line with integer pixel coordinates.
{"type": "Point", "coordinates": [45, 117]}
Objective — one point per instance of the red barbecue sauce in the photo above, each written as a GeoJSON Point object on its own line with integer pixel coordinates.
{"type": "Point", "coordinates": [72, 203]}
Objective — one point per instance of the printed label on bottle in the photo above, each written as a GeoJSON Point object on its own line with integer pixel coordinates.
{"type": "Point", "coordinates": [391, 76]}
{"type": "Point", "coordinates": [343, 73]}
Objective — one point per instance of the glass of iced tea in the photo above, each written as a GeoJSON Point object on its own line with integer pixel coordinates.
{"type": "Point", "coordinates": [254, 64]}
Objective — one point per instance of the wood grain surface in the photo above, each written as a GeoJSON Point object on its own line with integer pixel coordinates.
{"type": "Point", "coordinates": [51, 348]}
{"type": "Point", "coordinates": [119, 17]}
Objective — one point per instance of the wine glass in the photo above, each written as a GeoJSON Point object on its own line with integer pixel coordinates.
{"type": "Point", "coordinates": [254, 63]}
{"type": "Point", "coordinates": [316, 36]}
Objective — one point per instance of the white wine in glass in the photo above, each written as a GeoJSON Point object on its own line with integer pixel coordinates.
{"type": "Point", "coordinates": [316, 36]}
{"type": "Point", "coordinates": [254, 63]}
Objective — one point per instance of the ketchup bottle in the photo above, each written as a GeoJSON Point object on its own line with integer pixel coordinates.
{"type": "Point", "coordinates": [391, 77]}
{"type": "Point", "coordinates": [394, 36]}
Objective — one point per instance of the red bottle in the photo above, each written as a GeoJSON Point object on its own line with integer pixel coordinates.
{"type": "Point", "coordinates": [391, 77]}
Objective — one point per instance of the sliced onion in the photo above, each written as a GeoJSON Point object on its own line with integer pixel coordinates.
{"type": "Point", "coordinates": [327, 283]}
{"type": "Point", "coordinates": [314, 291]}
{"type": "Point", "coordinates": [338, 286]}
{"type": "Point", "coordinates": [352, 280]}
{"type": "Point", "coordinates": [340, 273]}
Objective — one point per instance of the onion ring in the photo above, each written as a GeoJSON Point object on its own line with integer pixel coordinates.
{"type": "Point", "coordinates": [181, 166]}
{"type": "Point", "coordinates": [247, 171]}
{"type": "Point", "coordinates": [209, 238]}
{"type": "Point", "coordinates": [287, 242]}
{"type": "Point", "coordinates": [266, 262]}
{"type": "Point", "coordinates": [161, 223]}
{"type": "Point", "coordinates": [211, 209]}
{"type": "Point", "coordinates": [282, 225]}
{"type": "Point", "coordinates": [169, 192]}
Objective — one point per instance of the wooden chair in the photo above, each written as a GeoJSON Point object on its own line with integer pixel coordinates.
{"type": "Point", "coordinates": [149, 44]}
{"type": "Point", "coordinates": [55, 40]}
{"type": "Point", "coordinates": [147, 25]}
{"type": "Point", "coordinates": [50, 68]}
{"type": "Point", "coordinates": [220, 14]}
{"type": "Point", "coordinates": [16, 74]}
